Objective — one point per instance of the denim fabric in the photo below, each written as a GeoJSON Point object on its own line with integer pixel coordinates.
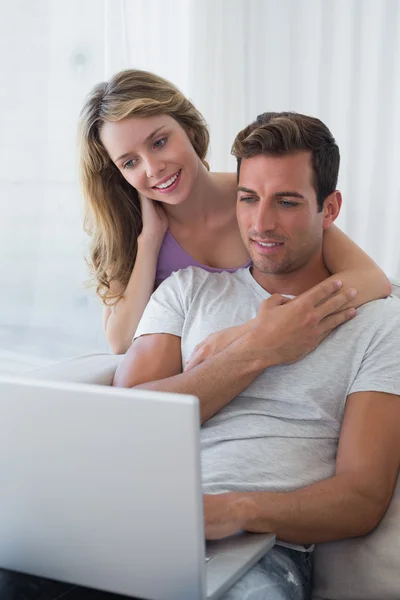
{"type": "Point", "coordinates": [282, 574]}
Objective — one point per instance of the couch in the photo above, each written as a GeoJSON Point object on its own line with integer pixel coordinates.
{"type": "Point", "coordinates": [365, 568]}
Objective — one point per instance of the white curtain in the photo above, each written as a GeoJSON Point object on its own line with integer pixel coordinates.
{"type": "Point", "coordinates": [338, 60]}
{"type": "Point", "coordinates": [335, 59]}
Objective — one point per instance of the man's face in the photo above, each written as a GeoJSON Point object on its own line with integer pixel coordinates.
{"type": "Point", "coordinates": [278, 214]}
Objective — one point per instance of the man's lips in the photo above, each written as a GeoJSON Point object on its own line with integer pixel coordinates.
{"type": "Point", "coordinates": [267, 246]}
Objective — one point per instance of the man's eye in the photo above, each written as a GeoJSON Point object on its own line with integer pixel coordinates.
{"type": "Point", "coordinates": [288, 203]}
{"type": "Point", "coordinates": [160, 143]}
{"type": "Point", "coordinates": [129, 164]}
{"type": "Point", "coordinates": [247, 199]}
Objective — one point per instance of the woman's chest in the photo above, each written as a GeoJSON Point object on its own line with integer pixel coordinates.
{"type": "Point", "coordinates": [218, 247]}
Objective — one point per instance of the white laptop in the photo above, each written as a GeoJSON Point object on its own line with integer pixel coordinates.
{"type": "Point", "coordinates": [101, 487]}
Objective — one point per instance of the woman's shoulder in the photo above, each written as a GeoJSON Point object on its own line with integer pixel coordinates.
{"type": "Point", "coordinates": [226, 184]}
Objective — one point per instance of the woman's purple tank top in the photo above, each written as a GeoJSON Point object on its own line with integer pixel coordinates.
{"type": "Point", "coordinates": [173, 257]}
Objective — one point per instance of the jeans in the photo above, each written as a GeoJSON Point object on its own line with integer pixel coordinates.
{"type": "Point", "coordinates": [282, 574]}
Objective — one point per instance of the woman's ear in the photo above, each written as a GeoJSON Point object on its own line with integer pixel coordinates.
{"type": "Point", "coordinates": [331, 209]}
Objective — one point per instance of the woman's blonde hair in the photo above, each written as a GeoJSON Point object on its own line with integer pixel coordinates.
{"type": "Point", "coordinates": [112, 208]}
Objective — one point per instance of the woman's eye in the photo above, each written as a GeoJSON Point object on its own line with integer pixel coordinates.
{"type": "Point", "coordinates": [129, 164]}
{"type": "Point", "coordinates": [160, 143]}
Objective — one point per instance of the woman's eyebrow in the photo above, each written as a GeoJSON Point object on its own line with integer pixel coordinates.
{"type": "Point", "coordinates": [151, 135]}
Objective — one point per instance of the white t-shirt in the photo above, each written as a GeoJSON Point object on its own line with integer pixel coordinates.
{"type": "Point", "coordinates": [281, 433]}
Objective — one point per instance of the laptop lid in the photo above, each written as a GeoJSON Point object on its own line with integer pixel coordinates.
{"type": "Point", "coordinates": [100, 487]}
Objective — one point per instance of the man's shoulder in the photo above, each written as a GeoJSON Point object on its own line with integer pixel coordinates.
{"type": "Point", "coordinates": [381, 309]}
{"type": "Point", "coordinates": [378, 317]}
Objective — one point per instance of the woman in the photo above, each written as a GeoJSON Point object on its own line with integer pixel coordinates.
{"type": "Point", "coordinates": [153, 206]}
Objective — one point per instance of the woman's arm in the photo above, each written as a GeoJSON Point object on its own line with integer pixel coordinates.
{"type": "Point", "coordinates": [347, 262]}
{"type": "Point", "coordinates": [121, 320]}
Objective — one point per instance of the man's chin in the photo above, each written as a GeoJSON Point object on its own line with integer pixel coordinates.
{"type": "Point", "coordinates": [271, 267]}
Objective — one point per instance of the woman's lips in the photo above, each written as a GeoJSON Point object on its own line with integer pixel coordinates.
{"type": "Point", "coordinates": [171, 187]}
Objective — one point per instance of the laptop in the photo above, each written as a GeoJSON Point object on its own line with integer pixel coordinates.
{"type": "Point", "coordinates": [101, 487]}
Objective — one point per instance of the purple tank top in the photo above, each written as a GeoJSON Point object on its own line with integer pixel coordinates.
{"type": "Point", "coordinates": [173, 257]}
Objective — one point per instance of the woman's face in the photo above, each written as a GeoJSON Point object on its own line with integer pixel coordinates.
{"type": "Point", "coordinates": [154, 154]}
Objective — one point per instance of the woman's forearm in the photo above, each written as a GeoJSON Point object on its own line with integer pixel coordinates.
{"type": "Point", "coordinates": [347, 262]}
{"type": "Point", "coordinates": [123, 318]}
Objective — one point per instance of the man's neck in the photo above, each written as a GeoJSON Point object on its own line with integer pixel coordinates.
{"type": "Point", "coordinates": [296, 282]}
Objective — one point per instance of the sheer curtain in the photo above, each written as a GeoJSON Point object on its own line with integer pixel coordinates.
{"type": "Point", "coordinates": [336, 59]}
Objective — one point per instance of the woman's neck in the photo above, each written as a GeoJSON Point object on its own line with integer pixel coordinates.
{"type": "Point", "coordinates": [206, 199]}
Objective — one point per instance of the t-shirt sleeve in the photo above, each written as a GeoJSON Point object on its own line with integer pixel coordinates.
{"type": "Point", "coordinates": [380, 368]}
{"type": "Point", "coordinates": [165, 311]}
{"type": "Point", "coordinates": [168, 306]}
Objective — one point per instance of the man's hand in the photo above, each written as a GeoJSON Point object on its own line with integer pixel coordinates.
{"type": "Point", "coordinates": [224, 514]}
{"type": "Point", "coordinates": [214, 343]}
{"type": "Point", "coordinates": [284, 332]}
{"type": "Point", "coordinates": [312, 317]}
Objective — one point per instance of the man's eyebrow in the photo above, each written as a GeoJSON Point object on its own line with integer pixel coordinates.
{"type": "Point", "coordinates": [247, 190]}
{"type": "Point", "coordinates": [276, 195]}
{"type": "Point", "coordinates": [288, 195]}
{"type": "Point", "coordinates": [152, 134]}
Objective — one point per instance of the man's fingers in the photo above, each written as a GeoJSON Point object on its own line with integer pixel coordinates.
{"type": "Point", "coordinates": [196, 358]}
{"type": "Point", "coordinates": [275, 300]}
{"type": "Point", "coordinates": [333, 321]}
{"type": "Point", "coordinates": [322, 291]}
{"type": "Point", "coordinates": [335, 303]}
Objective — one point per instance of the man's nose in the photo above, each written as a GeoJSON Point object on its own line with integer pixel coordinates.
{"type": "Point", "coordinates": [265, 218]}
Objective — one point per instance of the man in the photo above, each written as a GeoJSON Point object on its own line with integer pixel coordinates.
{"type": "Point", "coordinates": [306, 449]}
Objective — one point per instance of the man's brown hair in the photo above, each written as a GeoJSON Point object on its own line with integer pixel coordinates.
{"type": "Point", "coordinates": [276, 134]}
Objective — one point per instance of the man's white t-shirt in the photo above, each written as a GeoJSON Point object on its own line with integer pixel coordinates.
{"type": "Point", "coordinates": [281, 433]}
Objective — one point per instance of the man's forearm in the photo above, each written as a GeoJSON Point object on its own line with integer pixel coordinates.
{"type": "Point", "coordinates": [332, 509]}
{"type": "Point", "coordinates": [216, 381]}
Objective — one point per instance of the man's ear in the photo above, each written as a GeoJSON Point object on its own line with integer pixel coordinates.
{"type": "Point", "coordinates": [331, 209]}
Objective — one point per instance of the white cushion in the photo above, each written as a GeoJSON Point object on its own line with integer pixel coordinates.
{"type": "Point", "coordinates": [91, 368]}
{"type": "Point", "coordinates": [396, 287]}
{"type": "Point", "coordinates": [366, 568]}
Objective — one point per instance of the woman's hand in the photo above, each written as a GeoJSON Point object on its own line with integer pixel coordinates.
{"type": "Point", "coordinates": [155, 220]}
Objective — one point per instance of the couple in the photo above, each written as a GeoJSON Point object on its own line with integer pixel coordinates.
{"type": "Point", "coordinates": [142, 140]}
{"type": "Point", "coordinates": [294, 441]}
{"type": "Point", "coordinates": [298, 400]}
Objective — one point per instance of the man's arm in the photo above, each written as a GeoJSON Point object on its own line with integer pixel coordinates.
{"type": "Point", "coordinates": [283, 332]}
{"type": "Point", "coordinates": [154, 362]}
{"type": "Point", "coordinates": [349, 504]}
